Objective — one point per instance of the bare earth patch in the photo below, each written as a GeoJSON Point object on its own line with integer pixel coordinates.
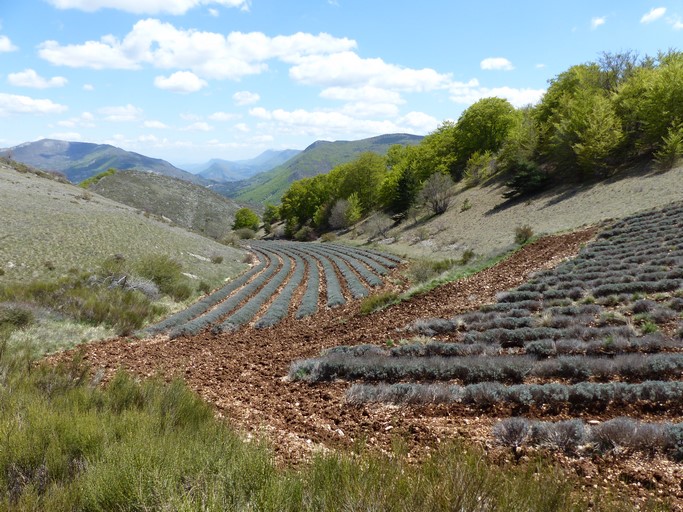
{"type": "Point", "coordinates": [243, 374]}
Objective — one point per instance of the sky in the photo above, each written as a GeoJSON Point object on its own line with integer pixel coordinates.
{"type": "Point", "coordinates": [191, 80]}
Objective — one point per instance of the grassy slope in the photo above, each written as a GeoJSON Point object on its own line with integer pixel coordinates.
{"type": "Point", "coordinates": [44, 220]}
{"type": "Point", "coordinates": [190, 206]}
{"type": "Point", "coordinates": [320, 157]}
{"type": "Point", "coordinates": [488, 226]}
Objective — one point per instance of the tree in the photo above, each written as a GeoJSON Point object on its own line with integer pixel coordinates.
{"type": "Point", "coordinates": [483, 127]}
{"type": "Point", "coordinates": [245, 218]}
{"type": "Point", "coordinates": [436, 192]}
{"type": "Point", "coordinates": [271, 214]}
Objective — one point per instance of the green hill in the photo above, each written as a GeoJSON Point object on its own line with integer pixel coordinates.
{"type": "Point", "coordinates": [318, 158]}
{"type": "Point", "coordinates": [50, 229]}
{"type": "Point", "coordinates": [186, 204]}
{"type": "Point", "coordinates": [82, 160]}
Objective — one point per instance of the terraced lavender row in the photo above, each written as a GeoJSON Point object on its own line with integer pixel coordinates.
{"type": "Point", "coordinates": [222, 309]}
{"type": "Point", "coordinates": [240, 301]}
{"type": "Point", "coordinates": [206, 303]}
{"type": "Point", "coordinates": [612, 313]}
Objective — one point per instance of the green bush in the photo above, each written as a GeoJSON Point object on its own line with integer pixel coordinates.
{"type": "Point", "coordinates": [15, 316]}
{"type": "Point", "coordinates": [166, 273]}
{"type": "Point", "coordinates": [671, 150]}
{"type": "Point", "coordinates": [305, 234]}
{"type": "Point", "coordinates": [424, 270]}
{"type": "Point", "coordinates": [245, 218]}
{"type": "Point", "coordinates": [523, 234]}
{"type": "Point", "coordinates": [527, 178]}
{"type": "Point", "coordinates": [377, 302]}
{"type": "Point", "coordinates": [245, 233]}
{"type": "Point", "coordinates": [217, 259]}
{"type": "Point", "coordinates": [94, 179]}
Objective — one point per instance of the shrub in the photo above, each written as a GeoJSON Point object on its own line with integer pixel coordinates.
{"type": "Point", "coordinates": [466, 205]}
{"type": "Point", "coordinates": [424, 270]}
{"type": "Point", "coordinates": [436, 192]}
{"type": "Point", "coordinates": [378, 301]}
{"type": "Point", "coordinates": [523, 234]}
{"type": "Point", "coordinates": [204, 287]}
{"type": "Point", "coordinates": [245, 233]}
{"type": "Point", "coordinates": [245, 218]}
{"type": "Point", "coordinates": [671, 149]}
{"type": "Point", "coordinates": [166, 273]}
{"type": "Point", "coordinates": [15, 316]}
{"type": "Point", "coordinates": [328, 237]}
{"type": "Point", "coordinates": [217, 259]}
{"type": "Point", "coordinates": [512, 432]}
{"type": "Point", "coordinates": [527, 178]}
{"type": "Point", "coordinates": [305, 234]}
{"type": "Point", "coordinates": [467, 256]}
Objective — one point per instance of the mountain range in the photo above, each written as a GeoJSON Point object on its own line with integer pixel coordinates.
{"type": "Point", "coordinates": [225, 170]}
{"type": "Point", "coordinates": [318, 158]}
{"type": "Point", "coordinates": [81, 160]}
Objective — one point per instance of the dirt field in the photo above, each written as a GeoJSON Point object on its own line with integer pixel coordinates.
{"type": "Point", "coordinates": [243, 374]}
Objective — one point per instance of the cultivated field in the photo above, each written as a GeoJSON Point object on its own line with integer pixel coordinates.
{"type": "Point", "coordinates": [585, 357]}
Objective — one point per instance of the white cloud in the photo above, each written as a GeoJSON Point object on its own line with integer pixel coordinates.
{"type": "Point", "coordinates": [181, 82]}
{"type": "Point", "coordinates": [70, 136]}
{"type": "Point", "coordinates": [653, 15]}
{"type": "Point", "coordinates": [85, 120]}
{"type": "Point", "coordinates": [245, 98]}
{"type": "Point", "coordinates": [199, 126]}
{"type": "Point", "coordinates": [598, 21]}
{"type": "Point", "coordinates": [6, 45]}
{"type": "Point", "coordinates": [420, 122]}
{"type": "Point", "coordinates": [29, 78]}
{"type": "Point", "coordinates": [331, 124]}
{"type": "Point", "coordinates": [346, 69]}
{"type": "Point", "coordinates": [214, 12]}
{"type": "Point", "coordinates": [223, 116]}
{"type": "Point", "coordinates": [154, 124]}
{"type": "Point", "coordinates": [540, 66]}
{"type": "Point", "coordinates": [88, 87]}
{"type": "Point", "coordinates": [677, 24]}
{"type": "Point", "coordinates": [103, 54]}
{"type": "Point", "coordinates": [125, 113]}
{"type": "Point", "coordinates": [496, 64]}
{"type": "Point", "coordinates": [364, 109]}
{"type": "Point", "coordinates": [146, 6]}
{"type": "Point", "coordinates": [242, 127]}
{"type": "Point", "coordinates": [209, 55]}
{"type": "Point", "coordinates": [15, 104]}
{"type": "Point", "coordinates": [190, 117]}
{"type": "Point", "coordinates": [363, 93]}
{"type": "Point", "coordinates": [471, 92]}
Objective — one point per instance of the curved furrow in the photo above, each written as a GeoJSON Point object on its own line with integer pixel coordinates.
{"type": "Point", "coordinates": [206, 303]}
{"type": "Point", "coordinates": [334, 291]}
{"type": "Point", "coordinates": [245, 313]}
{"type": "Point", "coordinates": [376, 258]}
{"type": "Point", "coordinates": [371, 278]}
{"type": "Point", "coordinates": [370, 262]}
{"type": "Point", "coordinates": [211, 317]}
{"type": "Point", "coordinates": [280, 306]}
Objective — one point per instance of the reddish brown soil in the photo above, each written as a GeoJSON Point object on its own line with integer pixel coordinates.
{"type": "Point", "coordinates": [243, 374]}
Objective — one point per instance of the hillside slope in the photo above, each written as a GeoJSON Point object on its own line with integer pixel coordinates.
{"type": "Point", "coordinates": [318, 158]}
{"type": "Point", "coordinates": [188, 205]}
{"type": "Point", "coordinates": [488, 226]}
{"type": "Point", "coordinates": [49, 228]}
{"type": "Point", "coordinates": [81, 160]}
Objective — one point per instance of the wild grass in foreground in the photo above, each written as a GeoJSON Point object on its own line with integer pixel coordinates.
{"type": "Point", "coordinates": [68, 444]}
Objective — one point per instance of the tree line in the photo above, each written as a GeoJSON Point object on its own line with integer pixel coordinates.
{"type": "Point", "coordinates": [594, 119]}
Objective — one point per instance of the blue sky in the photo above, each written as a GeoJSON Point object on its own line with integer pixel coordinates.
{"type": "Point", "coordinates": [190, 80]}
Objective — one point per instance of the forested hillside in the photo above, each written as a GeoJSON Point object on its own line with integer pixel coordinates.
{"type": "Point", "coordinates": [594, 120]}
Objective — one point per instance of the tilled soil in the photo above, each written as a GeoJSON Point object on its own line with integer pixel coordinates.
{"type": "Point", "coordinates": [243, 374]}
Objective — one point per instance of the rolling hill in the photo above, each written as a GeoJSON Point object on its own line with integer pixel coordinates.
{"type": "Point", "coordinates": [50, 229]}
{"type": "Point", "coordinates": [188, 205]}
{"type": "Point", "coordinates": [318, 158]}
{"type": "Point", "coordinates": [226, 170]}
{"type": "Point", "coordinates": [81, 160]}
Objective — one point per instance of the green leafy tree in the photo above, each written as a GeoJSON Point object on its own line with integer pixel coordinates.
{"type": "Point", "coordinates": [245, 218]}
{"type": "Point", "coordinates": [271, 214]}
{"type": "Point", "coordinates": [355, 210]}
{"type": "Point", "coordinates": [484, 127]}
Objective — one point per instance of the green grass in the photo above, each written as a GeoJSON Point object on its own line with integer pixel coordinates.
{"type": "Point", "coordinates": [47, 221]}
{"type": "Point", "coordinates": [378, 301]}
{"type": "Point", "coordinates": [67, 444]}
